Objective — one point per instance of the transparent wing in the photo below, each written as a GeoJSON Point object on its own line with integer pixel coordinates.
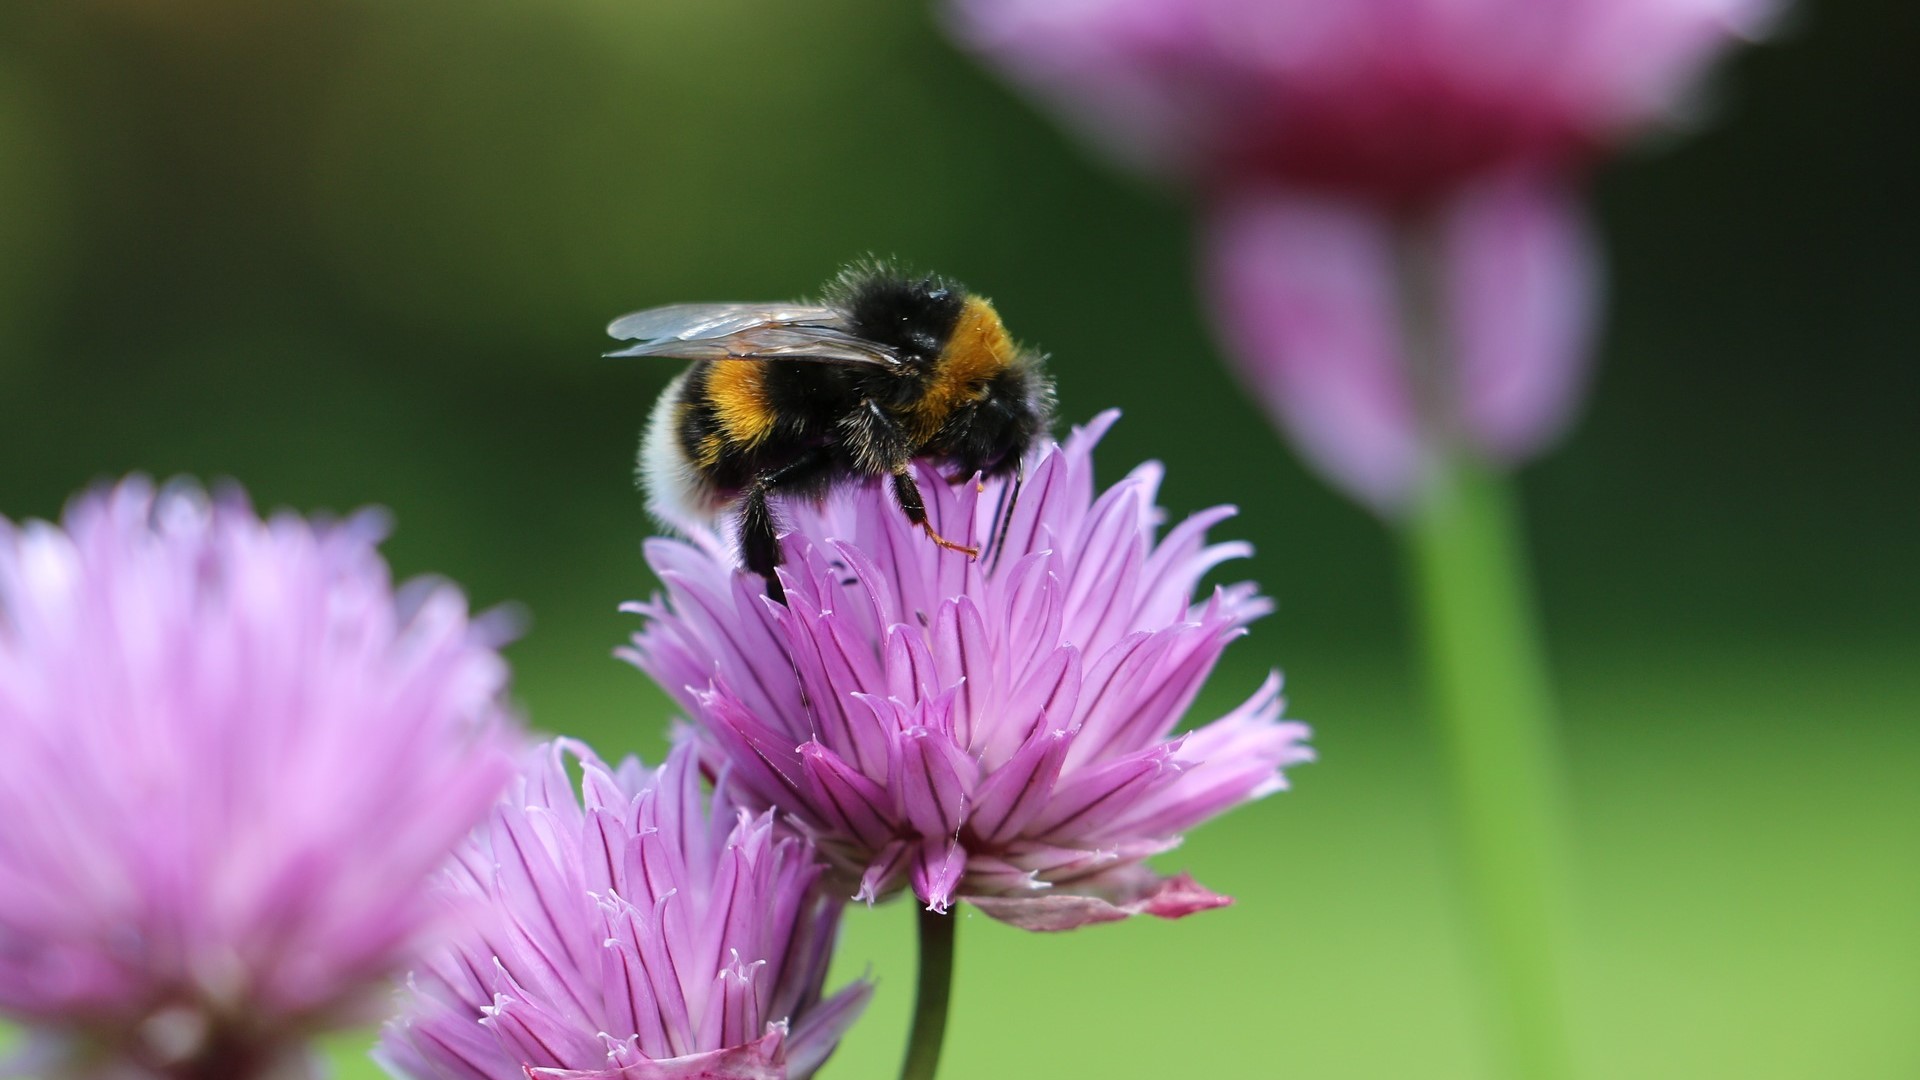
{"type": "Point", "coordinates": [690, 321]}
{"type": "Point", "coordinates": [745, 332]}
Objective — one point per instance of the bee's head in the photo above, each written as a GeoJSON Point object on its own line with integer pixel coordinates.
{"type": "Point", "coordinates": [1014, 412]}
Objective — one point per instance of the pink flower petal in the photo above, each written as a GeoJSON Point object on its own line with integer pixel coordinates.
{"type": "Point", "coordinates": [816, 1037]}
{"type": "Point", "coordinates": [849, 802]}
{"type": "Point", "coordinates": [1010, 798]}
{"type": "Point", "coordinates": [1166, 898]}
{"type": "Point", "coordinates": [1522, 287]}
{"type": "Point", "coordinates": [1304, 292]}
{"type": "Point", "coordinates": [937, 871]}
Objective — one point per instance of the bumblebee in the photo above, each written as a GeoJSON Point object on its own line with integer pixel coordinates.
{"type": "Point", "coordinates": [794, 399]}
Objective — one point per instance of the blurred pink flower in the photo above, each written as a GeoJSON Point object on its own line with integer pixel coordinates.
{"type": "Point", "coordinates": [230, 760]}
{"type": "Point", "coordinates": [1345, 150]}
{"type": "Point", "coordinates": [635, 938]}
{"type": "Point", "coordinates": [997, 730]}
{"type": "Point", "coordinates": [1377, 342]}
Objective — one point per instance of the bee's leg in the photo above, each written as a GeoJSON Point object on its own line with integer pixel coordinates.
{"type": "Point", "coordinates": [1003, 515]}
{"type": "Point", "coordinates": [880, 442]}
{"type": "Point", "coordinates": [759, 532]}
{"type": "Point", "coordinates": [760, 539]}
{"type": "Point", "coordinates": [907, 490]}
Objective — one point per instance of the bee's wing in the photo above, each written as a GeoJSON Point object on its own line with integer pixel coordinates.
{"type": "Point", "coordinates": [688, 322]}
{"type": "Point", "coordinates": [746, 332]}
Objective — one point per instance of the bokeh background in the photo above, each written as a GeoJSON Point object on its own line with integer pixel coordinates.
{"type": "Point", "coordinates": [360, 251]}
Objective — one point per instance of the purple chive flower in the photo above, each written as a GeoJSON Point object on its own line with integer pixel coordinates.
{"type": "Point", "coordinates": [230, 761]}
{"type": "Point", "coordinates": [1343, 149]}
{"type": "Point", "coordinates": [634, 938]}
{"type": "Point", "coordinates": [998, 730]}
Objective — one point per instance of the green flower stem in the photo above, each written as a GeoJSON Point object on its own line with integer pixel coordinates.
{"type": "Point", "coordinates": [1493, 706]}
{"type": "Point", "coordinates": [931, 996]}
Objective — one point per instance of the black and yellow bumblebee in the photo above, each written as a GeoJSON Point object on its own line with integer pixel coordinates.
{"type": "Point", "coordinates": [791, 399]}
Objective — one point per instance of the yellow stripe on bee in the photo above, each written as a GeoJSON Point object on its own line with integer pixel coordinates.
{"type": "Point", "coordinates": [978, 349]}
{"type": "Point", "coordinates": [738, 391]}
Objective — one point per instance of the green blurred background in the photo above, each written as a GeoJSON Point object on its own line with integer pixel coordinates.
{"type": "Point", "coordinates": [354, 251]}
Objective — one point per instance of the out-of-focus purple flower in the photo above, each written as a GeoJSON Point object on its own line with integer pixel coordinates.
{"type": "Point", "coordinates": [634, 938]}
{"type": "Point", "coordinates": [1397, 99]}
{"type": "Point", "coordinates": [1378, 342]}
{"type": "Point", "coordinates": [997, 730]}
{"type": "Point", "coordinates": [1346, 150]}
{"type": "Point", "coordinates": [230, 761]}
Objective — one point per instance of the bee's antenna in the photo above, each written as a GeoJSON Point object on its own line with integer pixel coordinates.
{"type": "Point", "coordinates": [1003, 512]}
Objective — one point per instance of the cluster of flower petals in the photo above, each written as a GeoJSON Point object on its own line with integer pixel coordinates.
{"type": "Point", "coordinates": [628, 934]}
{"type": "Point", "coordinates": [997, 729]}
{"type": "Point", "coordinates": [231, 760]}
